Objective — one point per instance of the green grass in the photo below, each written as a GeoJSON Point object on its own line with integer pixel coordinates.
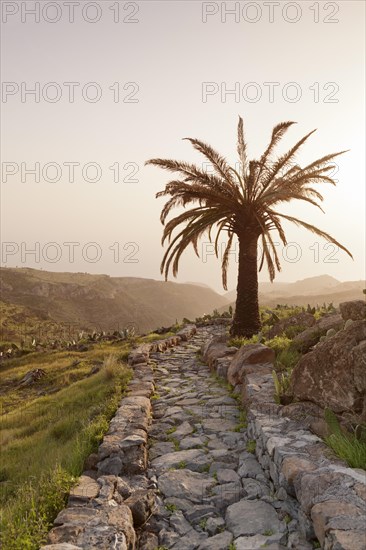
{"type": "Point", "coordinates": [287, 359]}
{"type": "Point", "coordinates": [346, 446]}
{"type": "Point", "coordinates": [251, 446]}
{"type": "Point", "coordinates": [171, 507]}
{"type": "Point", "coordinates": [46, 439]}
{"type": "Point", "coordinates": [175, 442]}
{"type": "Point", "coordinates": [282, 383]}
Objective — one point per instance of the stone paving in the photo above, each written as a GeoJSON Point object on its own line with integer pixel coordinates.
{"type": "Point", "coordinates": [211, 492]}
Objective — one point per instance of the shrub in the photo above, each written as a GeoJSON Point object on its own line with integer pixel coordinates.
{"type": "Point", "coordinates": [239, 342]}
{"type": "Point", "coordinates": [278, 343]}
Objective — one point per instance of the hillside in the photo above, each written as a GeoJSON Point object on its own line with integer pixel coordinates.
{"type": "Point", "coordinates": [102, 302]}
{"type": "Point", "coordinates": [313, 290]}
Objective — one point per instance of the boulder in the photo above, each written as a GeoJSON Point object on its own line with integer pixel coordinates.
{"type": "Point", "coordinates": [354, 310]}
{"type": "Point", "coordinates": [333, 375]}
{"type": "Point", "coordinates": [249, 359]}
{"type": "Point", "coordinates": [309, 337]}
{"type": "Point", "coordinates": [304, 320]}
{"type": "Point", "coordinates": [216, 349]}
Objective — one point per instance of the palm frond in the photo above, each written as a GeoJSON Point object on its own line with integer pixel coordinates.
{"type": "Point", "coordinates": [314, 230]}
{"type": "Point", "coordinates": [242, 148]}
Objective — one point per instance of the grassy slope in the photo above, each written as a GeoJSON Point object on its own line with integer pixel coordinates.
{"type": "Point", "coordinates": [45, 438]}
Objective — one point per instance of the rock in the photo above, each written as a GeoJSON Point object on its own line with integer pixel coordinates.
{"type": "Point", "coordinates": [250, 468]}
{"type": "Point", "coordinates": [190, 541]}
{"type": "Point", "coordinates": [174, 460]}
{"type": "Point", "coordinates": [301, 320]}
{"type": "Point", "coordinates": [110, 466]}
{"type": "Point", "coordinates": [309, 337]}
{"type": "Point", "coordinates": [179, 523]}
{"type": "Point", "coordinates": [61, 546]}
{"type": "Point", "coordinates": [191, 443]}
{"type": "Point", "coordinates": [251, 518]}
{"type": "Point", "coordinates": [345, 540]}
{"type": "Point", "coordinates": [218, 542]}
{"type": "Point", "coordinates": [316, 486]}
{"type": "Point", "coordinates": [294, 466]}
{"type": "Point", "coordinates": [184, 429]}
{"type": "Point", "coordinates": [222, 366]}
{"type": "Point", "coordinates": [123, 488]}
{"type": "Point", "coordinates": [195, 514]}
{"type": "Point", "coordinates": [227, 476]}
{"type": "Point", "coordinates": [309, 415]}
{"type": "Point", "coordinates": [87, 488]}
{"type": "Point", "coordinates": [216, 349]}
{"type": "Point", "coordinates": [141, 504]}
{"type": "Point", "coordinates": [326, 376]}
{"type": "Point", "coordinates": [148, 541]}
{"type": "Point", "coordinates": [254, 489]}
{"type": "Point", "coordinates": [250, 358]}
{"type": "Point", "coordinates": [354, 310]}
{"type": "Point", "coordinates": [215, 425]}
{"type": "Point", "coordinates": [187, 332]}
{"type": "Point", "coordinates": [214, 526]}
{"type": "Point", "coordinates": [322, 512]}
{"type": "Point", "coordinates": [188, 485]}
{"type": "Point", "coordinates": [251, 543]}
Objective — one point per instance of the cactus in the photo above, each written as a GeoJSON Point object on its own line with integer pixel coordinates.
{"type": "Point", "coordinates": [348, 323]}
{"type": "Point", "coordinates": [331, 332]}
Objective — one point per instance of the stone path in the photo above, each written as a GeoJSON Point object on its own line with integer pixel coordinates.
{"type": "Point", "coordinates": [211, 492]}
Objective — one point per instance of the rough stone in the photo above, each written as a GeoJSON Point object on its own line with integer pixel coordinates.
{"type": "Point", "coordinates": [322, 512]}
{"type": "Point", "coordinates": [217, 542]}
{"type": "Point", "coordinates": [345, 540]}
{"type": "Point", "coordinates": [333, 385]}
{"type": "Point", "coordinates": [190, 485]}
{"type": "Point", "coordinates": [302, 319]}
{"type": "Point", "coordinates": [354, 310]}
{"type": "Point", "coordinates": [248, 359]}
{"type": "Point", "coordinates": [259, 518]}
{"type": "Point", "coordinates": [173, 460]}
{"type": "Point", "coordinates": [141, 504]}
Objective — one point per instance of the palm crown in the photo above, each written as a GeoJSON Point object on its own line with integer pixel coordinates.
{"type": "Point", "coordinates": [242, 203]}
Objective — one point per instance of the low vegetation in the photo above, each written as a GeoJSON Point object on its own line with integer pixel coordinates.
{"type": "Point", "coordinates": [48, 429]}
{"type": "Point", "coordinates": [350, 447]}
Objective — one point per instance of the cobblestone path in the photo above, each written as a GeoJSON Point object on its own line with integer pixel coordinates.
{"type": "Point", "coordinates": [212, 493]}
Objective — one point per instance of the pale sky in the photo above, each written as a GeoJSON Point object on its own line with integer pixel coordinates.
{"type": "Point", "coordinates": [161, 54]}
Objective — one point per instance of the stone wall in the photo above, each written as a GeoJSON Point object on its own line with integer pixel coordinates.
{"type": "Point", "coordinates": [325, 496]}
{"type": "Point", "coordinates": [114, 497]}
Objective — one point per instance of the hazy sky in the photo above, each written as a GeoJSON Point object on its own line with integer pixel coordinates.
{"type": "Point", "coordinates": [142, 76]}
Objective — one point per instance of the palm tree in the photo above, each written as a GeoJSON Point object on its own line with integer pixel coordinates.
{"type": "Point", "coordinates": [244, 204]}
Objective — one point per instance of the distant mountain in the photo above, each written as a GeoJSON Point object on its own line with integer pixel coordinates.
{"type": "Point", "coordinates": [312, 290]}
{"type": "Point", "coordinates": [197, 284]}
{"type": "Point", "coordinates": [103, 302]}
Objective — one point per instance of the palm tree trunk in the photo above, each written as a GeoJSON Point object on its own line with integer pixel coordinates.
{"type": "Point", "coordinates": [246, 318]}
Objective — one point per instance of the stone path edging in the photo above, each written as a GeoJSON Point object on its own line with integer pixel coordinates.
{"type": "Point", "coordinates": [113, 496]}
{"type": "Point", "coordinates": [328, 496]}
